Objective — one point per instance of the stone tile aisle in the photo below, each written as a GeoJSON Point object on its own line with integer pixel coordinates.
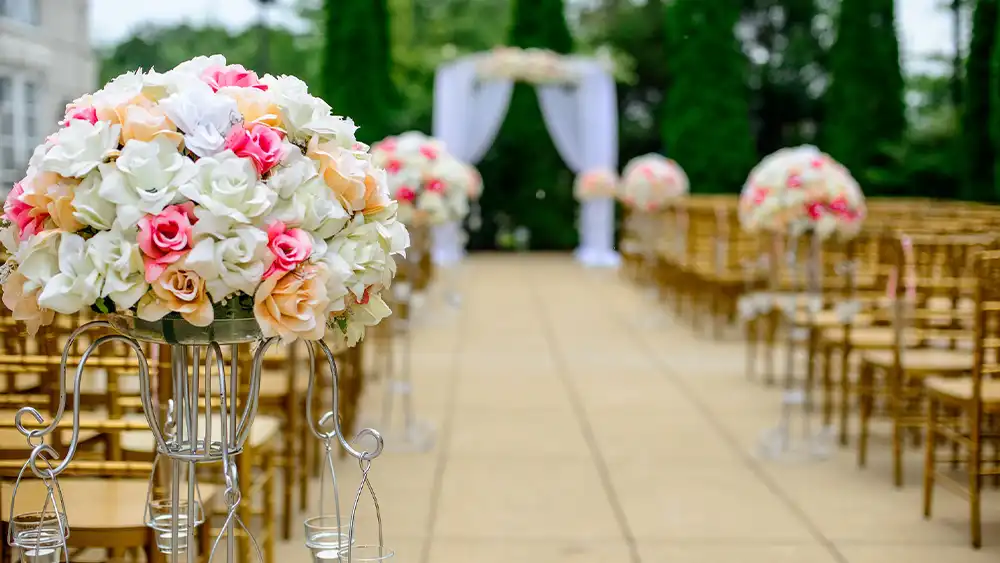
{"type": "Point", "coordinates": [569, 431]}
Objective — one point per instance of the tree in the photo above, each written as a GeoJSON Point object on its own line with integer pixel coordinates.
{"type": "Point", "coordinates": [357, 61]}
{"type": "Point", "coordinates": [706, 117]}
{"type": "Point", "coordinates": [864, 109]}
{"type": "Point", "coordinates": [978, 115]}
{"type": "Point", "coordinates": [787, 47]}
{"type": "Point", "coordinates": [526, 179]}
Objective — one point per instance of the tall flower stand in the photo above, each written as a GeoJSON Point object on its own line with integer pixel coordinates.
{"type": "Point", "coordinates": [447, 249]}
{"type": "Point", "coordinates": [404, 432]}
{"type": "Point", "coordinates": [781, 443]}
{"type": "Point", "coordinates": [199, 415]}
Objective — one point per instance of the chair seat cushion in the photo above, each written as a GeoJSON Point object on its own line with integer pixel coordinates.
{"type": "Point", "coordinates": [924, 360]}
{"type": "Point", "coordinates": [960, 389]}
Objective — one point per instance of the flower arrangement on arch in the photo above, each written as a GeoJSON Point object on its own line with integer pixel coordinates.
{"type": "Point", "coordinates": [430, 185]}
{"type": "Point", "coordinates": [800, 189]}
{"type": "Point", "coordinates": [198, 192]}
{"type": "Point", "coordinates": [650, 181]}
{"type": "Point", "coordinates": [595, 184]}
{"type": "Point", "coordinates": [534, 66]}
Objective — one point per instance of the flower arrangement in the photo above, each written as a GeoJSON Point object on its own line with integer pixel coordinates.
{"type": "Point", "coordinates": [650, 181]}
{"type": "Point", "coordinates": [535, 66]}
{"type": "Point", "coordinates": [431, 186]}
{"type": "Point", "coordinates": [595, 184]}
{"type": "Point", "coordinates": [203, 192]}
{"type": "Point", "coordinates": [799, 189]}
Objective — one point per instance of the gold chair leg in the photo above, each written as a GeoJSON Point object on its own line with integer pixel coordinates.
{"type": "Point", "coordinates": [845, 394]}
{"type": "Point", "coordinates": [826, 359]}
{"type": "Point", "coordinates": [975, 478]}
{"type": "Point", "coordinates": [930, 461]}
{"type": "Point", "coordinates": [866, 400]}
{"type": "Point", "coordinates": [897, 410]}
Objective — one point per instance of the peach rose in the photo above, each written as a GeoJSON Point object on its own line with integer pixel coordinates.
{"type": "Point", "coordinates": [53, 193]}
{"type": "Point", "coordinates": [342, 171]}
{"type": "Point", "coordinates": [254, 105]}
{"type": "Point", "coordinates": [293, 305]}
{"type": "Point", "coordinates": [376, 195]}
{"type": "Point", "coordinates": [144, 123]}
{"type": "Point", "coordinates": [24, 306]}
{"type": "Point", "coordinates": [178, 291]}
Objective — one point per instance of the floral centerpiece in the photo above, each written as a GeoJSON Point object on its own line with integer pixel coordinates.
{"type": "Point", "coordinates": [650, 181]}
{"type": "Point", "coordinates": [202, 193]}
{"type": "Point", "coordinates": [431, 186]}
{"type": "Point", "coordinates": [595, 184]}
{"type": "Point", "coordinates": [535, 66]}
{"type": "Point", "coordinates": [799, 189]}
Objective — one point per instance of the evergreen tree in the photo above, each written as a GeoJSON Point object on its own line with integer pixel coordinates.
{"type": "Point", "coordinates": [864, 111]}
{"type": "Point", "coordinates": [527, 183]}
{"type": "Point", "coordinates": [977, 116]}
{"type": "Point", "coordinates": [706, 116]}
{"type": "Point", "coordinates": [357, 60]}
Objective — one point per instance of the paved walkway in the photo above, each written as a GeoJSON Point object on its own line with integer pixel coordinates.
{"type": "Point", "coordinates": [570, 431]}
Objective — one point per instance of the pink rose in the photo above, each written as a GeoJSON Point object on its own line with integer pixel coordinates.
{"type": "Point", "coordinates": [290, 248]}
{"type": "Point", "coordinates": [165, 238]}
{"type": "Point", "coordinates": [232, 75]}
{"type": "Point", "coordinates": [393, 166]}
{"type": "Point", "coordinates": [258, 142]}
{"type": "Point", "coordinates": [794, 181]}
{"type": "Point", "coordinates": [29, 220]}
{"type": "Point", "coordinates": [759, 195]}
{"type": "Point", "coordinates": [435, 186]}
{"type": "Point", "coordinates": [388, 145]}
{"type": "Point", "coordinates": [88, 114]}
{"type": "Point", "coordinates": [429, 152]}
{"type": "Point", "coordinates": [815, 210]}
{"type": "Point", "coordinates": [405, 193]}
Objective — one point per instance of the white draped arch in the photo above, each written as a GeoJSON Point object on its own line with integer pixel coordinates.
{"type": "Point", "coordinates": [581, 116]}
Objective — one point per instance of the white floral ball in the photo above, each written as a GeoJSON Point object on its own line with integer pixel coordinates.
{"type": "Point", "coordinates": [181, 192]}
{"type": "Point", "coordinates": [650, 181]}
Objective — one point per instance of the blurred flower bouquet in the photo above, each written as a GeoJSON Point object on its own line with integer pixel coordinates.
{"type": "Point", "coordinates": [203, 193]}
{"type": "Point", "coordinates": [650, 181]}
{"type": "Point", "coordinates": [801, 189]}
{"type": "Point", "coordinates": [595, 184]}
{"type": "Point", "coordinates": [431, 186]}
{"type": "Point", "coordinates": [535, 66]}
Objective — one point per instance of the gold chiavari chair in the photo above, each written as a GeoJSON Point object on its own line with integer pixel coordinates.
{"type": "Point", "coordinates": [963, 411]}
{"type": "Point", "coordinates": [935, 282]}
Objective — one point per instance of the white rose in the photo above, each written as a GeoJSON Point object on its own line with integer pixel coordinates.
{"type": "Point", "coordinates": [204, 117]}
{"type": "Point", "coordinates": [357, 260]}
{"type": "Point", "coordinates": [228, 186]}
{"type": "Point", "coordinates": [116, 256]}
{"type": "Point", "coordinates": [10, 238]}
{"type": "Point", "coordinates": [144, 179]}
{"type": "Point", "coordinates": [90, 208]}
{"type": "Point", "coordinates": [395, 238]}
{"type": "Point", "coordinates": [37, 259]}
{"type": "Point", "coordinates": [304, 115]}
{"type": "Point", "coordinates": [198, 65]}
{"type": "Point", "coordinates": [305, 201]}
{"type": "Point", "coordinates": [435, 206]}
{"type": "Point", "coordinates": [80, 147]}
{"type": "Point", "coordinates": [229, 256]}
{"type": "Point", "coordinates": [118, 92]}
{"type": "Point", "coordinates": [78, 283]}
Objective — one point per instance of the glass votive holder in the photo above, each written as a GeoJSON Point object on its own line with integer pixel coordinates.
{"type": "Point", "coordinates": [161, 521]}
{"type": "Point", "coordinates": [325, 538]}
{"type": "Point", "coordinates": [39, 537]}
{"type": "Point", "coordinates": [366, 554]}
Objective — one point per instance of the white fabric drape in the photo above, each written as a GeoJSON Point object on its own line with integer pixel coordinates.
{"type": "Point", "coordinates": [583, 122]}
{"type": "Point", "coordinates": [467, 118]}
{"type": "Point", "coordinates": [468, 113]}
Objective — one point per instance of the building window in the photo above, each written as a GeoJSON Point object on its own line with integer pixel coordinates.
{"type": "Point", "coordinates": [24, 11]}
{"type": "Point", "coordinates": [20, 102]}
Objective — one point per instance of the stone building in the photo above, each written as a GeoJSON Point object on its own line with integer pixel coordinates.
{"type": "Point", "coordinates": [46, 60]}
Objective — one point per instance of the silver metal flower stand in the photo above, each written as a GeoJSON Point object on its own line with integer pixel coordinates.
{"type": "Point", "coordinates": [200, 413]}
